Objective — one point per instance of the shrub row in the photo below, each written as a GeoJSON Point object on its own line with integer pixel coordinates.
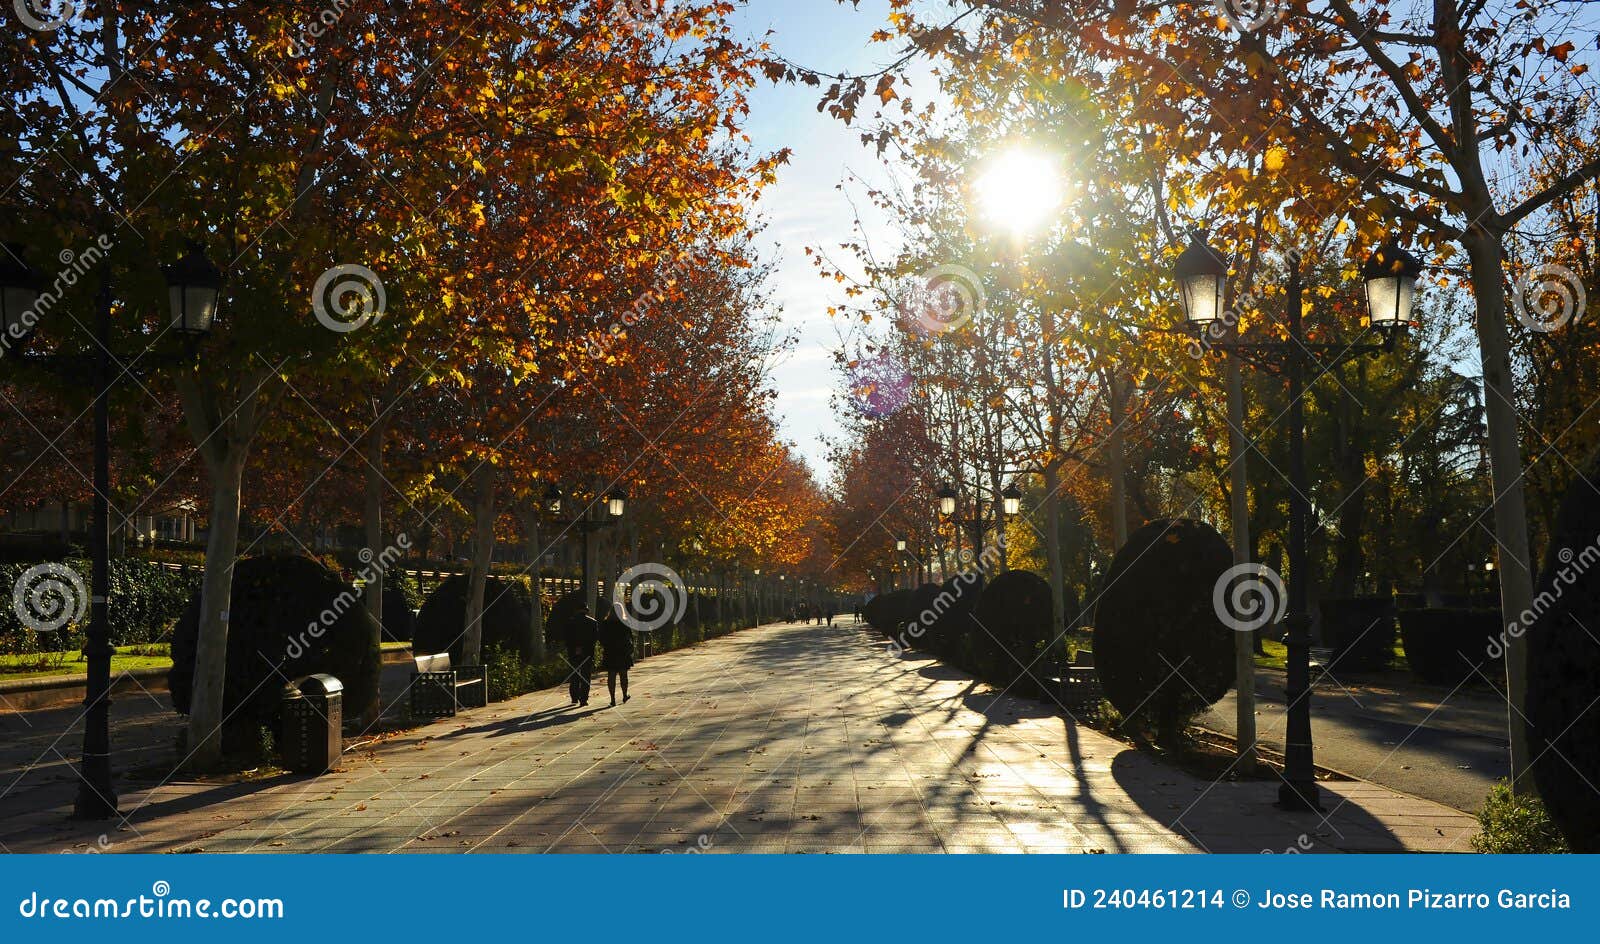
{"type": "Point", "coordinates": [997, 630]}
{"type": "Point", "coordinates": [146, 599]}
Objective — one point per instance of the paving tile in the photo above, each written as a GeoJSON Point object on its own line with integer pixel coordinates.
{"type": "Point", "coordinates": [721, 751]}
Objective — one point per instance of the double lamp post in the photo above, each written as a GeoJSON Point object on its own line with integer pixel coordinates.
{"type": "Point", "coordinates": [193, 288]}
{"type": "Point", "coordinates": [1390, 275]}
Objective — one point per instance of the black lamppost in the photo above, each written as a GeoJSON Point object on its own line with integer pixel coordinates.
{"type": "Point", "coordinates": [1391, 284]}
{"type": "Point", "coordinates": [193, 287]}
{"type": "Point", "coordinates": [950, 508]}
{"type": "Point", "coordinates": [601, 511]}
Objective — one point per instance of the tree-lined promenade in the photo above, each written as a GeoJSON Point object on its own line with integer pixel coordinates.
{"type": "Point", "coordinates": [1185, 346]}
{"type": "Point", "coordinates": [429, 274]}
{"type": "Point", "coordinates": [1123, 229]}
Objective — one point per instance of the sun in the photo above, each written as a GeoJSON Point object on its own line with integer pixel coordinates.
{"type": "Point", "coordinates": [1019, 190]}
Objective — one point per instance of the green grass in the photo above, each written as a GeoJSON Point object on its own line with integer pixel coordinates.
{"type": "Point", "coordinates": [46, 664]}
{"type": "Point", "coordinates": [1273, 655]}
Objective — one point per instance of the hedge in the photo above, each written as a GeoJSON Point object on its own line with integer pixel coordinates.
{"type": "Point", "coordinates": [507, 617]}
{"type": "Point", "coordinates": [1444, 646]}
{"type": "Point", "coordinates": [146, 599]}
{"type": "Point", "coordinates": [1360, 631]}
{"type": "Point", "coordinates": [1564, 667]}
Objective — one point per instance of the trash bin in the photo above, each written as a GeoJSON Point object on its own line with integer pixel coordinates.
{"type": "Point", "coordinates": [313, 719]}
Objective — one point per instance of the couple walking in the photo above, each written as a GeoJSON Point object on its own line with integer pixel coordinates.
{"type": "Point", "coordinates": [616, 654]}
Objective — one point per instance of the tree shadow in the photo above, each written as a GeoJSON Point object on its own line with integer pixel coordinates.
{"type": "Point", "coordinates": [1226, 816]}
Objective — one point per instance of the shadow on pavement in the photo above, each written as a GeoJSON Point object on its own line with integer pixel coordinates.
{"type": "Point", "coordinates": [1238, 816]}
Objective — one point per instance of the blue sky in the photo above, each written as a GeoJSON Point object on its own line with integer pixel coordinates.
{"type": "Point", "coordinates": [804, 208]}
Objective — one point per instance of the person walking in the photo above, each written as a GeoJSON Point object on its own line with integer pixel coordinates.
{"type": "Point", "coordinates": [830, 614]}
{"type": "Point", "coordinates": [616, 654]}
{"type": "Point", "coordinates": [582, 632]}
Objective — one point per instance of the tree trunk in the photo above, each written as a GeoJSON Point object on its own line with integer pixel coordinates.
{"type": "Point", "coordinates": [373, 520]}
{"type": "Point", "coordinates": [1244, 644]}
{"type": "Point", "coordinates": [1486, 252]}
{"type": "Point", "coordinates": [533, 648]}
{"type": "Point", "coordinates": [1117, 461]}
{"type": "Point", "coordinates": [482, 556]}
{"type": "Point", "coordinates": [216, 591]}
{"type": "Point", "coordinates": [1052, 545]}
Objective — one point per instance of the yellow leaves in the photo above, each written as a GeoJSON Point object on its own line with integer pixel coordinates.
{"type": "Point", "coordinates": [1275, 158]}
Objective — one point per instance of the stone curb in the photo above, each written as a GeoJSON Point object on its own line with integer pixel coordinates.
{"type": "Point", "coordinates": [55, 691]}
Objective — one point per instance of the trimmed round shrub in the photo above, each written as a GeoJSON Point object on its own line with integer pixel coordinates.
{"type": "Point", "coordinates": [889, 612]}
{"type": "Point", "coordinates": [1013, 621]}
{"type": "Point", "coordinates": [1360, 631]}
{"type": "Point", "coordinates": [288, 617]}
{"type": "Point", "coordinates": [399, 622]}
{"type": "Point", "coordinates": [1564, 668]}
{"type": "Point", "coordinates": [1443, 646]}
{"type": "Point", "coordinates": [923, 605]}
{"type": "Point", "coordinates": [1160, 649]}
{"type": "Point", "coordinates": [507, 617]}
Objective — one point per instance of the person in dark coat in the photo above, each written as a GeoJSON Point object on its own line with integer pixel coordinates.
{"type": "Point", "coordinates": [616, 642]}
{"type": "Point", "coordinates": [582, 632]}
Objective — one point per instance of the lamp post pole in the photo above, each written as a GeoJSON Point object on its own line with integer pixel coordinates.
{"type": "Point", "coordinates": [1391, 280]}
{"type": "Point", "coordinates": [1299, 787]}
{"type": "Point", "coordinates": [97, 798]}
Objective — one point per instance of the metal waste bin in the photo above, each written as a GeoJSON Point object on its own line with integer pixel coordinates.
{"type": "Point", "coordinates": [313, 719]}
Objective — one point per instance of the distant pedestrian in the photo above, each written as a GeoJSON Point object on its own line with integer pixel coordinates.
{"type": "Point", "coordinates": [830, 614]}
{"type": "Point", "coordinates": [582, 632]}
{"type": "Point", "coordinates": [616, 654]}
{"type": "Point", "coordinates": [858, 612]}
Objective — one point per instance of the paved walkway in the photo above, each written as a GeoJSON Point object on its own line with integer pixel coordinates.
{"type": "Point", "coordinates": [787, 738]}
{"type": "Point", "coordinates": [1426, 740]}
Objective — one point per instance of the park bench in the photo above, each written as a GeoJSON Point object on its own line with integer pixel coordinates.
{"type": "Point", "coordinates": [1076, 686]}
{"type": "Point", "coordinates": [439, 690]}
